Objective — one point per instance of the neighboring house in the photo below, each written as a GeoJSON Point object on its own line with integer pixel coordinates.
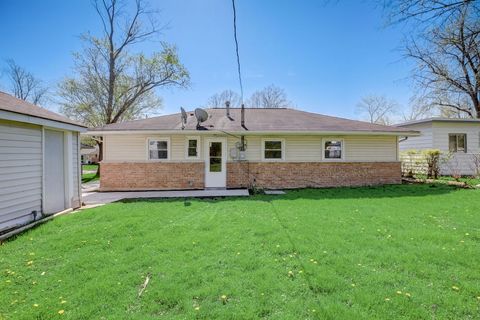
{"type": "Point", "coordinates": [39, 162]}
{"type": "Point", "coordinates": [89, 154]}
{"type": "Point", "coordinates": [458, 139]}
{"type": "Point", "coordinates": [282, 148]}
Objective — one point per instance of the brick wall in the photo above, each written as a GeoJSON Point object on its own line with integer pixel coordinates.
{"type": "Point", "coordinates": [190, 175]}
{"type": "Point", "coordinates": [151, 176]}
{"type": "Point", "coordinates": [311, 174]}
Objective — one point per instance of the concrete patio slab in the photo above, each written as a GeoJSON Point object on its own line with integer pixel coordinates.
{"type": "Point", "coordinates": [94, 198]}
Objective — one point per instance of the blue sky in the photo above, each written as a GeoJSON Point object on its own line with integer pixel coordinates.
{"type": "Point", "coordinates": [325, 54]}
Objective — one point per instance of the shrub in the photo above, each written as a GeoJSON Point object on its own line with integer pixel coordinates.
{"type": "Point", "coordinates": [432, 157]}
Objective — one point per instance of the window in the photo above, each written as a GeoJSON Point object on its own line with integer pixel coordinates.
{"type": "Point", "coordinates": [333, 149]}
{"type": "Point", "coordinates": [457, 142]}
{"type": "Point", "coordinates": [192, 147]}
{"type": "Point", "coordinates": [158, 149]}
{"type": "Point", "coordinates": [273, 149]}
{"type": "Point", "coordinates": [215, 157]}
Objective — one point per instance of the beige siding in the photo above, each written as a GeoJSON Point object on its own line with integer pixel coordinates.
{"type": "Point", "coordinates": [133, 147]}
{"type": "Point", "coordinates": [424, 141]}
{"type": "Point", "coordinates": [371, 148]}
{"type": "Point", "coordinates": [20, 172]}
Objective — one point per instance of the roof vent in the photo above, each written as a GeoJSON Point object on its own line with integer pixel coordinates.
{"type": "Point", "coordinates": [183, 117]}
{"type": "Point", "coordinates": [243, 115]}
{"type": "Point", "coordinates": [227, 107]}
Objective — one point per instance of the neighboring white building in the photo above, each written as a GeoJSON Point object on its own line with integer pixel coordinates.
{"type": "Point", "coordinates": [39, 162]}
{"type": "Point", "coordinates": [89, 154]}
{"type": "Point", "coordinates": [458, 138]}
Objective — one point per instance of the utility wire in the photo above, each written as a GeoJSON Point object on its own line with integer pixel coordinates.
{"type": "Point", "coordinates": [236, 48]}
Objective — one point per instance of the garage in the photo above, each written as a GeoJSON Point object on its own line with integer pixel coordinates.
{"type": "Point", "coordinates": [39, 163]}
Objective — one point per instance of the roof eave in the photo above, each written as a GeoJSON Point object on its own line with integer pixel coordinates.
{"type": "Point", "coordinates": [21, 117]}
{"type": "Point", "coordinates": [246, 133]}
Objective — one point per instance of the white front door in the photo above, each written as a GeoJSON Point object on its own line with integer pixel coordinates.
{"type": "Point", "coordinates": [215, 163]}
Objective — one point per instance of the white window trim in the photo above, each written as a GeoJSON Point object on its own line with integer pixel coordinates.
{"type": "Point", "coordinates": [158, 139]}
{"type": "Point", "coordinates": [263, 149]}
{"type": "Point", "coordinates": [323, 149]}
{"type": "Point", "coordinates": [198, 147]}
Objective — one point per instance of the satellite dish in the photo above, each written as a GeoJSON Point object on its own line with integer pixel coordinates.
{"type": "Point", "coordinates": [201, 115]}
{"type": "Point", "coordinates": [184, 117]}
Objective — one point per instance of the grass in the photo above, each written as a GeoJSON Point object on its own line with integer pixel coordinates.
{"type": "Point", "coordinates": [396, 252]}
{"type": "Point", "coordinates": [90, 167]}
{"type": "Point", "coordinates": [87, 173]}
{"type": "Point", "coordinates": [471, 181]}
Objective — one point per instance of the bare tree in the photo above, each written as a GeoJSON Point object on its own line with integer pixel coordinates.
{"type": "Point", "coordinates": [423, 11]}
{"type": "Point", "coordinates": [218, 100]}
{"type": "Point", "coordinates": [269, 97]}
{"type": "Point", "coordinates": [377, 109]}
{"type": "Point", "coordinates": [448, 63]}
{"type": "Point", "coordinates": [112, 84]}
{"type": "Point", "coordinates": [444, 41]}
{"type": "Point", "coordinates": [24, 85]}
{"type": "Point", "coordinates": [418, 108]}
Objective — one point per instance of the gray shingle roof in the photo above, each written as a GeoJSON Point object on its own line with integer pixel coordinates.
{"type": "Point", "coordinates": [12, 104]}
{"type": "Point", "coordinates": [264, 120]}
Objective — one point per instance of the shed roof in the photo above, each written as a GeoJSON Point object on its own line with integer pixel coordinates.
{"type": "Point", "coordinates": [13, 104]}
{"type": "Point", "coordinates": [256, 120]}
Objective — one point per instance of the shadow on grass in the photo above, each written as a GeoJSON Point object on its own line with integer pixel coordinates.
{"type": "Point", "coordinates": [388, 191]}
{"type": "Point", "coordinates": [90, 177]}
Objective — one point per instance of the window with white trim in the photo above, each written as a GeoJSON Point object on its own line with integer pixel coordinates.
{"type": "Point", "coordinates": [333, 149]}
{"type": "Point", "coordinates": [192, 148]}
{"type": "Point", "coordinates": [457, 142]}
{"type": "Point", "coordinates": [157, 149]}
{"type": "Point", "coordinates": [273, 149]}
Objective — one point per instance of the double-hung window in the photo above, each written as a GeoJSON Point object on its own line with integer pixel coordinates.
{"type": "Point", "coordinates": [333, 149]}
{"type": "Point", "coordinates": [158, 149]}
{"type": "Point", "coordinates": [192, 148]}
{"type": "Point", "coordinates": [457, 142]}
{"type": "Point", "coordinates": [273, 149]}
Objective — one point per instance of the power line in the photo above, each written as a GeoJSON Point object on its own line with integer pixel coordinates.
{"type": "Point", "coordinates": [236, 48]}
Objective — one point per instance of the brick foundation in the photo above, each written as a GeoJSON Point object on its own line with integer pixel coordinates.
{"type": "Point", "coordinates": [275, 175]}
{"type": "Point", "coordinates": [278, 175]}
{"type": "Point", "coordinates": [151, 176]}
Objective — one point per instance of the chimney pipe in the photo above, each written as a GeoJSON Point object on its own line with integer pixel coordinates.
{"type": "Point", "coordinates": [243, 115]}
{"type": "Point", "coordinates": [227, 106]}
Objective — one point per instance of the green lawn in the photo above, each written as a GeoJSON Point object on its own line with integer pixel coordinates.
{"type": "Point", "coordinates": [90, 167]}
{"type": "Point", "coordinates": [398, 252]}
{"type": "Point", "coordinates": [88, 174]}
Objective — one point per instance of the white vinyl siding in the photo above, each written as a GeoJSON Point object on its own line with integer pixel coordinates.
{"type": "Point", "coordinates": [460, 162]}
{"type": "Point", "coordinates": [435, 135]}
{"type": "Point", "coordinates": [75, 168]}
{"type": "Point", "coordinates": [20, 172]}
{"type": "Point", "coordinates": [423, 141]}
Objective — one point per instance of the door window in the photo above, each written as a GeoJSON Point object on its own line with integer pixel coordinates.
{"type": "Point", "coordinates": [215, 157]}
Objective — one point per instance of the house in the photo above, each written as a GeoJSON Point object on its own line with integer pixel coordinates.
{"type": "Point", "coordinates": [264, 148]}
{"type": "Point", "coordinates": [89, 154]}
{"type": "Point", "coordinates": [39, 162]}
{"type": "Point", "coordinates": [458, 139]}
